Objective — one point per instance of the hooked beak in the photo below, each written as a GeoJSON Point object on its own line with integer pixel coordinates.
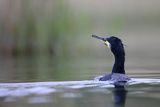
{"type": "Point", "coordinates": [105, 41]}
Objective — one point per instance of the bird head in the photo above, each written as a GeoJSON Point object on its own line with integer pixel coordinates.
{"type": "Point", "coordinates": [114, 43]}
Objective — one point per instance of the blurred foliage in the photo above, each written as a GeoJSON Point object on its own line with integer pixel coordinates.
{"type": "Point", "coordinates": [39, 35]}
{"type": "Point", "coordinates": [41, 28]}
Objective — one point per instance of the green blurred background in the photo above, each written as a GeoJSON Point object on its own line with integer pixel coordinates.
{"type": "Point", "coordinates": [50, 40]}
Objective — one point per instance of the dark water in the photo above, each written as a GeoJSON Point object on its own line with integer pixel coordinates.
{"type": "Point", "coordinates": [137, 92]}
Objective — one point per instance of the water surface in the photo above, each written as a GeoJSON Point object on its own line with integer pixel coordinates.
{"type": "Point", "coordinates": [137, 92]}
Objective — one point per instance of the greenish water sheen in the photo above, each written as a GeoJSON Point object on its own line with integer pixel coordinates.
{"type": "Point", "coordinates": [71, 84]}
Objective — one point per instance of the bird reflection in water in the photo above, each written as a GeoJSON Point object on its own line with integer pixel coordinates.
{"type": "Point", "coordinates": [119, 95]}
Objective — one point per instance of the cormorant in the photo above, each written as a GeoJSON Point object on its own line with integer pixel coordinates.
{"type": "Point", "coordinates": [118, 70]}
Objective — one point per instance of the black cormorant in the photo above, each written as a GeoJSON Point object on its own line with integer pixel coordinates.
{"type": "Point", "coordinates": [117, 48]}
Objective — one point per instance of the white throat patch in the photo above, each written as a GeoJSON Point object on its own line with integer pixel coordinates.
{"type": "Point", "coordinates": [108, 44]}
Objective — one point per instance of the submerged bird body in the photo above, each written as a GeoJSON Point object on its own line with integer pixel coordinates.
{"type": "Point", "coordinates": [115, 77]}
{"type": "Point", "coordinates": [117, 48]}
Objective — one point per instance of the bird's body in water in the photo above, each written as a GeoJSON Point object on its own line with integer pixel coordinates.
{"type": "Point", "coordinates": [117, 48]}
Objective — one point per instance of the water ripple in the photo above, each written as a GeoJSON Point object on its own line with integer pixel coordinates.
{"type": "Point", "coordinates": [44, 88]}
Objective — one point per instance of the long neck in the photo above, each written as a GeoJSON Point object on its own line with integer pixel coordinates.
{"type": "Point", "coordinates": [119, 63]}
